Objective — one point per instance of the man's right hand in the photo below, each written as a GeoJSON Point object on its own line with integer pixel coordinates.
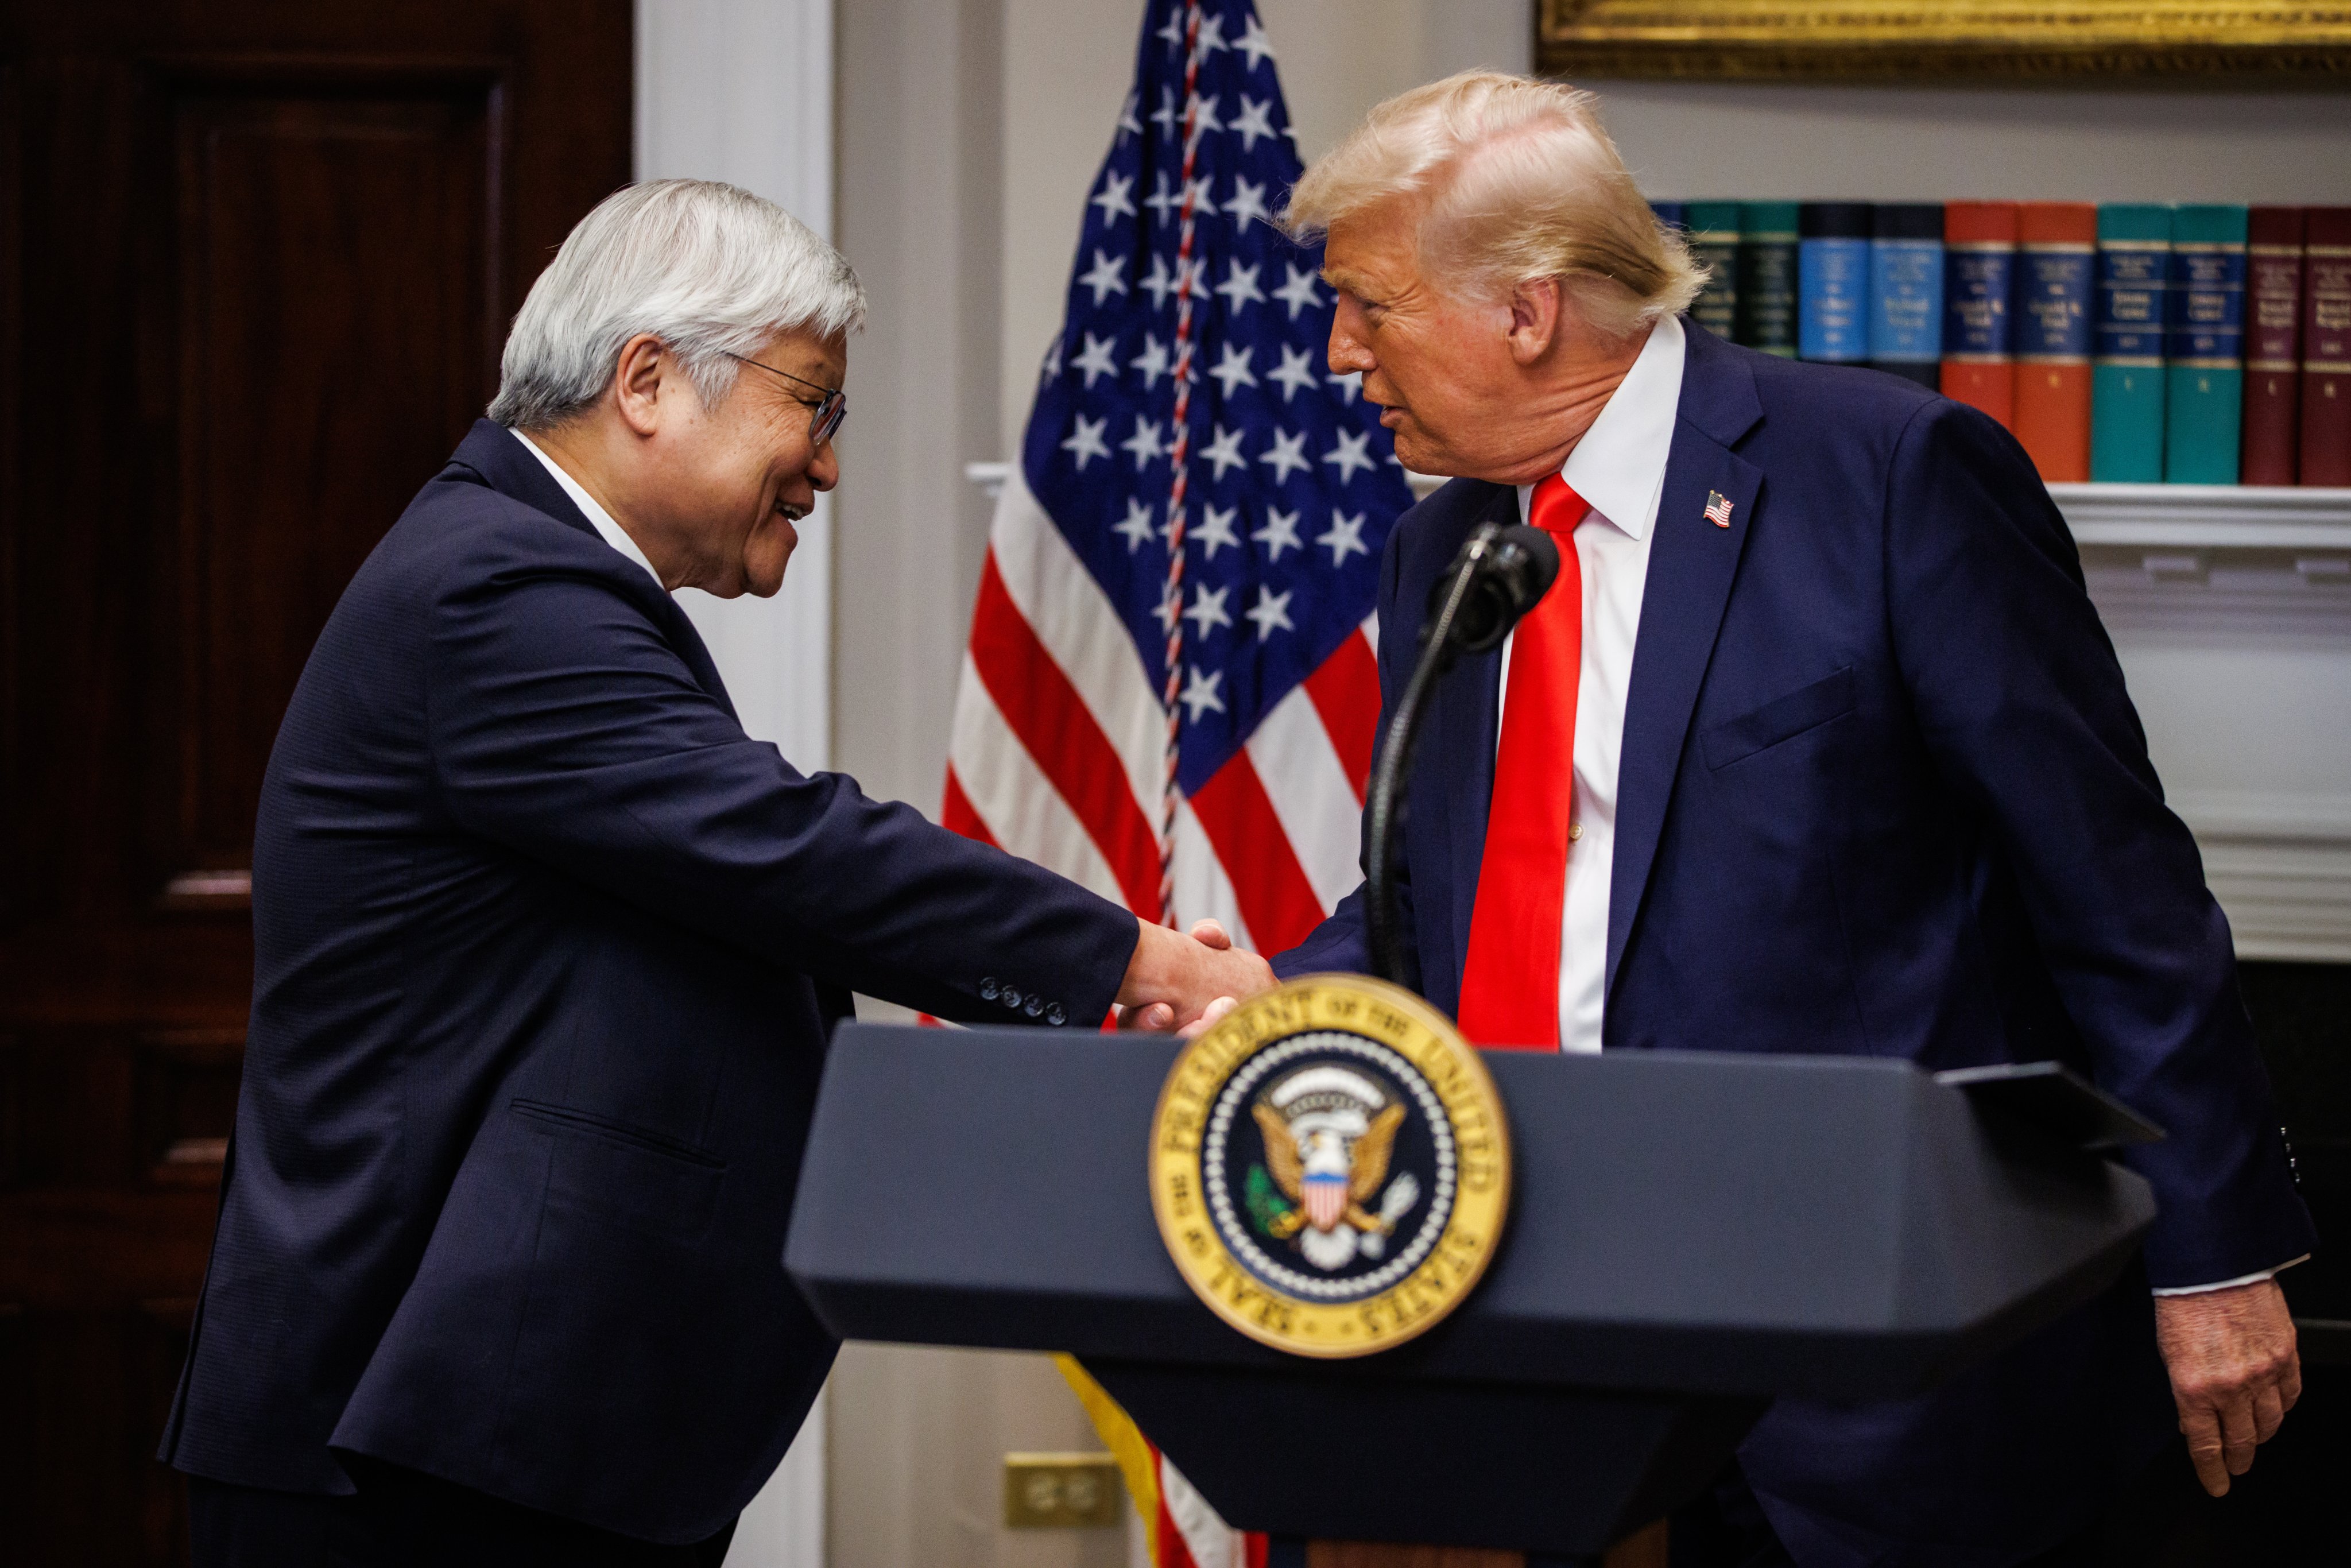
{"type": "Point", "coordinates": [1176, 979]}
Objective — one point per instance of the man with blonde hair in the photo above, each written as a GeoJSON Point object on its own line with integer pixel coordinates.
{"type": "Point", "coordinates": [1815, 745]}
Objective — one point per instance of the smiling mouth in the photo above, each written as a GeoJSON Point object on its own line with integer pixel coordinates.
{"type": "Point", "coordinates": [792, 514]}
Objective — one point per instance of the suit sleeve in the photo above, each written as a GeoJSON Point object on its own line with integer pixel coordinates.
{"type": "Point", "coordinates": [564, 727]}
{"type": "Point", "coordinates": [1343, 942]}
{"type": "Point", "coordinates": [2021, 704]}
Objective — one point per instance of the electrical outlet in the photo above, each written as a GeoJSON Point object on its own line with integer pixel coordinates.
{"type": "Point", "coordinates": [1061, 1491]}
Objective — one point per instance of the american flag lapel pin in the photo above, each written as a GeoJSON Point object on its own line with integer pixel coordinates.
{"type": "Point", "coordinates": [1718, 508]}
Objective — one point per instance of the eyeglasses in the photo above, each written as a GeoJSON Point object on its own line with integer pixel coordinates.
{"type": "Point", "coordinates": [825, 412]}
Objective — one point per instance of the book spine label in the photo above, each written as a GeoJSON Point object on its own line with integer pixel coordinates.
{"type": "Point", "coordinates": [1978, 277]}
{"type": "Point", "coordinates": [1906, 301]}
{"type": "Point", "coordinates": [1833, 300]}
{"type": "Point", "coordinates": [1716, 308]}
{"type": "Point", "coordinates": [2126, 388]}
{"type": "Point", "coordinates": [1767, 293]}
{"type": "Point", "coordinates": [2051, 325]}
{"type": "Point", "coordinates": [2205, 385]}
{"type": "Point", "coordinates": [2273, 363]}
{"type": "Point", "coordinates": [2326, 365]}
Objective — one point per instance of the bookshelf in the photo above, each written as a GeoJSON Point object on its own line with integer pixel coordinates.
{"type": "Point", "coordinates": [2229, 608]}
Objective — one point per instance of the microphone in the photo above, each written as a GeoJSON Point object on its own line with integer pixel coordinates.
{"type": "Point", "coordinates": [1498, 576]}
{"type": "Point", "coordinates": [1509, 568]}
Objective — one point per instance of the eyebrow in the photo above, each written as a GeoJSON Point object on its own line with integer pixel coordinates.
{"type": "Point", "coordinates": [1347, 282]}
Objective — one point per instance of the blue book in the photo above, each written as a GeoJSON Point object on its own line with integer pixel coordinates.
{"type": "Point", "coordinates": [1670, 215]}
{"type": "Point", "coordinates": [2127, 350]}
{"type": "Point", "coordinates": [2204, 375]}
{"type": "Point", "coordinates": [1833, 281]}
{"type": "Point", "coordinates": [1906, 291]}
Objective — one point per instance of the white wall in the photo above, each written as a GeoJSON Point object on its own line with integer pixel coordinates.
{"type": "Point", "coordinates": [741, 91]}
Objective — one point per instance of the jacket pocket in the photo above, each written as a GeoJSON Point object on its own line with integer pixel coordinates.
{"type": "Point", "coordinates": [636, 1176]}
{"type": "Point", "coordinates": [1782, 718]}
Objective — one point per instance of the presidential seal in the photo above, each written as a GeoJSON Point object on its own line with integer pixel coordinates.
{"type": "Point", "coordinates": [1330, 1166]}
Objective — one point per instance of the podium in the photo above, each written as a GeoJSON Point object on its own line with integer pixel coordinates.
{"type": "Point", "coordinates": [1691, 1235]}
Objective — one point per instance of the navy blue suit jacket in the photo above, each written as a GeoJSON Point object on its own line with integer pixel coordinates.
{"type": "Point", "coordinates": [547, 953]}
{"type": "Point", "coordinates": [1882, 793]}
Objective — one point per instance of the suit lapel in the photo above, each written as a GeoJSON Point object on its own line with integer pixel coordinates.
{"type": "Point", "coordinates": [1692, 562]}
{"type": "Point", "coordinates": [1466, 730]}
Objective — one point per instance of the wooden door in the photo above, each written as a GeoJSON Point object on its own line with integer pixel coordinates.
{"type": "Point", "coordinates": [256, 261]}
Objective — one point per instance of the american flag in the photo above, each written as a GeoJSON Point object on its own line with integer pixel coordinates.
{"type": "Point", "coordinates": [1170, 692]}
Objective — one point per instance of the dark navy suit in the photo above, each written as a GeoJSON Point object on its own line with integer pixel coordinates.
{"type": "Point", "coordinates": [547, 953]}
{"type": "Point", "coordinates": [1882, 793]}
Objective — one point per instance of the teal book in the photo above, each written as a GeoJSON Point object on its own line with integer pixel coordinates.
{"type": "Point", "coordinates": [1714, 243]}
{"type": "Point", "coordinates": [2204, 350]}
{"type": "Point", "coordinates": [2126, 344]}
{"type": "Point", "coordinates": [1767, 276]}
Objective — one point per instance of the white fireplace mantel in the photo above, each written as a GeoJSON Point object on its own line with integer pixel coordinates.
{"type": "Point", "coordinates": [2231, 610]}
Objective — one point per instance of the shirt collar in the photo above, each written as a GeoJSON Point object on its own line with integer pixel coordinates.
{"type": "Point", "coordinates": [1620, 464]}
{"type": "Point", "coordinates": [598, 517]}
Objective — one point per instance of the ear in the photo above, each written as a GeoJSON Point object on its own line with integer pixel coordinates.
{"type": "Point", "coordinates": [638, 382]}
{"type": "Point", "coordinates": [1535, 308]}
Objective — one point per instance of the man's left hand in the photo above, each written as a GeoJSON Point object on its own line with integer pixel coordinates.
{"type": "Point", "coordinates": [2234, 1373]}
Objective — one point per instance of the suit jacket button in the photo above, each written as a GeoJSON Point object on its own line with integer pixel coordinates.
{"type": "Point", "coordinates": [1055, 1016]}
{"type": "Point", "coordinates": [1011, 998]}
{"type": "Point", "coordinates": [1035, 1004]}
{"type": "Point", "coordinates": [987, 989]}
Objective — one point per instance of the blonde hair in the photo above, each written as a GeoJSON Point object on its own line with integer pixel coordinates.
{"type": "Point", "coordinates": [1517, 181]}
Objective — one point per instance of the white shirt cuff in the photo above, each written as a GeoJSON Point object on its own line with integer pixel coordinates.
{"type": "Point", "coordinates": [2253, 1279]}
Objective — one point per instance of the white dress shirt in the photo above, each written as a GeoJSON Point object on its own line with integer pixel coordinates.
{"type": "Point", "coordinates": [1620, 467]}
{"type": "Point", "coordinates": [614, 533]}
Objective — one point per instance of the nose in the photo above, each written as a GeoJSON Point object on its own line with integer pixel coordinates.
{"type": "Point", "coordinates": [824, 468]}
{"type": "Point", "coordinates": [1349, 353]}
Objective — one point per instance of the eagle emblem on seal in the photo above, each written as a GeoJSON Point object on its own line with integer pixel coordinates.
{"type": "Point", "coordinates": [1330, 1135]}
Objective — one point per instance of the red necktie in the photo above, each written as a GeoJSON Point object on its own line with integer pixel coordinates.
{"type": "Point", "coordinates": [1510, 984]}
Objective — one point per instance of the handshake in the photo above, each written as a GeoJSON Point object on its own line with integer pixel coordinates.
{"type": "Point", "coordinates": [1185, 981]}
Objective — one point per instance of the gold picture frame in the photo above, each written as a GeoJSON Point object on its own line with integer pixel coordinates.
{"type": "Point", "coordinates": [2069, 42]}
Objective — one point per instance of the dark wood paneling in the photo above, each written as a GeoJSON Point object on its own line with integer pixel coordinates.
{"type": "Point", "coordinates": [256, 259]}
{"type": "Point", "coordinates": [323, 404]}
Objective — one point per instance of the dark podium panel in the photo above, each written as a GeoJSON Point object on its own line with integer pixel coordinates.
{"type": "Point", "coordinates": [1690, 1235]}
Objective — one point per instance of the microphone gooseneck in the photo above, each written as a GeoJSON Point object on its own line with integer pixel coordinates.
{"type": "Point", "coordinates": [1498, 576]}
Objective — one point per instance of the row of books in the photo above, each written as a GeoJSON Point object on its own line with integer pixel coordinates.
{"type": "Point", "coordinates": [2123, 342]}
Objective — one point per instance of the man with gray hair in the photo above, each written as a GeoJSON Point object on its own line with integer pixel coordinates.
{"type": "Point", "coordinates": [546, 951]}
{"type": "Point", "coordinates": [1816, 744]}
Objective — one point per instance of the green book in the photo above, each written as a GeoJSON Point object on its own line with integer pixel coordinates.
{"type": "Point", "coordinates": [1767, 277]}
{"type": "Point", "coordinates": [1714, 241]}
{"type": "Point", "coordinates": [2126, 346]}
{"type": "Point", "coordinates": [2204, 348]}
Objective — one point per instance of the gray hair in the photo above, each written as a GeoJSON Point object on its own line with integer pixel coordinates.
{"type": "Point", "coordinates": [709, 269]}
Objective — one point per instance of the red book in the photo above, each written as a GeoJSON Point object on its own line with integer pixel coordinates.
{"type": "Point", "coordinates": [2326, 346]}
{"type": "Point", "coordinates": [1980, 281]}
{"type": "Point", "coordinates": [2056, 242]}
{"type": "Point", "coordinates": [2273, 345]}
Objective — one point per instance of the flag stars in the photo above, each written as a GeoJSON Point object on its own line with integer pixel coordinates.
{"type": "Point", "coordinates": [1280, 533]}
{"type": "Point", "coordinates": [1115, 197]}
{"type": "Point", "coordinates": [1239, 287]}
{"type": "Point", "coordinates": [1233, 368]}
{"type": "Point", "coordinates": [1211, 35]}
{"type": "Point", "coordinates": [1288, 453]}
{"type": "Point", "coordinates": [1224, 451]}
{"type": "Point", "coordinates": [1200, 693]}
{"type": "Point", "coordinates": [1248, 205]}
{"type": "Point", "coordinates": [1255, 44]}
{"type": "Point", "coordinates": [1297, 373]}
{"type": "Point", "coordinates": [1254, 120]}
{"type": "Point", "coordinates": [1160, 283]}
{"type": "Point", "coordinates": [1165, 115]}
{"type": "Point", "coordinates": [1200, 114]}
{"type": "Point", "coordinates": [1145, 444]}
{"type": "Point", "coordinates": [1172, 34]}
{"type": "Point", "coordinates": [1270, 614]}
{"type": "Point", "coordinates": [1128, 125]}
{"type": "Point", "coordinates": [1162, 201]}
{"type": "Point", "coordinates": [1096, 358]}
{"type": "Point", "coordinates": [1108, 275]}
{"type": "Point", "coordinates": [1344, 538]}
{"type": "Point", "coordinates": [1085, 443]}
{"type": "Point", "coordinates": [1208, 611]}
{"type": "Point", "coordinates": [1353, 451]}
{"type": "Point", "coordinates": [1137, 530]}
{"type": "Point", "coordinates": [1303, 292]}
{"type": "Point", "coordinates": [1216, 531]}
{"type": "Point", "coordinates": [1153, 361]}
